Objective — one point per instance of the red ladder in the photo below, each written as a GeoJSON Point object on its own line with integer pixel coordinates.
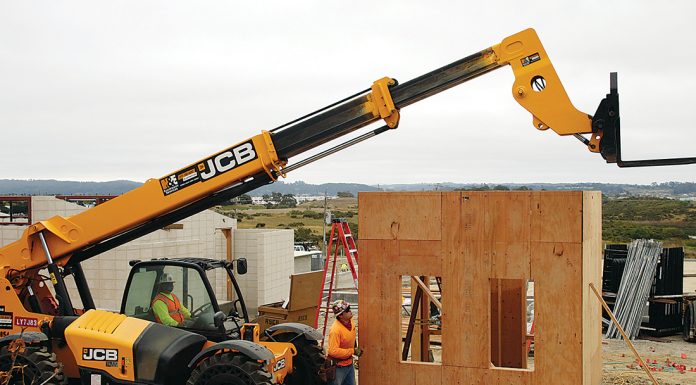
{"type": "Point", "coordinates": [340, 236]}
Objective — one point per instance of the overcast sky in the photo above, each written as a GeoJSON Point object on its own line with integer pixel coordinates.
{"type": "Point", "coordinates": [104, 90]}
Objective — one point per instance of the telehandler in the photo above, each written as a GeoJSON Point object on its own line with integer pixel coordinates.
{"type": "Point", "coordinates": [46, 340]}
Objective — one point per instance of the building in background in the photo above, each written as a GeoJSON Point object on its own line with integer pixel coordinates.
{"type": "Point", "coordinates": [269, 254]}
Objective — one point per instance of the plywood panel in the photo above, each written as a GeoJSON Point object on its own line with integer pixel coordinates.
{"type": "Point", "coordinates": [556, 216]}
{"type": "Point", "coordinates": [371, 309]}
{"type": "Point", "coordinates": [468, 238]}
{"type": "Point", "coordinates": [507, 216]}
{"type": "Point", "coordinates": [557, 274]}
{"type": "Point", "coordinates": [427, 373]}
{"type": "Point", "coordinates": [404, 216]}
{"type": "Point", "coordinates": [465, 282]}
{"type": "Point", "coordinates": [417, 258]}
{"type": "Point", "coordinates": [456, 375]}
{"type": "Point", "coordinates": [508, 227]}
{"type": "Point", "coordinates": [516, 377]}
{"type": "Point", "coordinates": [510, 260]}
{"type": "Point", "coordinates": [592, 273]}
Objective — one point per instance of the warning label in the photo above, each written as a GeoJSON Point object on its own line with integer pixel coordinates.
{"type": "Point", "coordinates": [530, 59]}
{"type": "Point", "coordinates": [181, 179]}
{"type": "Point", "coordinates": [5, 320]}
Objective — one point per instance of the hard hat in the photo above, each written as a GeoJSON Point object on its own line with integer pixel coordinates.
{"type": "Point", "coordinates": [339, 307]}
{"type": "Point", "coordinates": [166, 278]}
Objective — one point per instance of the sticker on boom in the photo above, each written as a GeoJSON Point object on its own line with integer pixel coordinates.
{"type": "Point", "coordinates": [209, 168]}
{"type": "Point", "coordinates": [6, 320]}
{"type": "Point", "coordinates": [99, 354]}
{"type": "Point", "coordinates": [279, 365]}
{"type": "Point", "coordinates": [530, 59]}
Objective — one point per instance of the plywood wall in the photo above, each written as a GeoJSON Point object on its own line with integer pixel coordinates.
{"type": "Point", "coordinates": [470, 239]}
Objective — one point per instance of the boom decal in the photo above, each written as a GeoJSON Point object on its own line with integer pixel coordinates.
{"type": "Point", "coordinates": [210, 167]}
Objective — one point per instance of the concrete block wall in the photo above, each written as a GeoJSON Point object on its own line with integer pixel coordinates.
{"type": "Point", "coordinates": [107, 273]}
{"type": "Point", "coordinates": [270, 256]}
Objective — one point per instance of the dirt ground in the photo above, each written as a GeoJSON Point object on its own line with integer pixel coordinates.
{"type": "Point", "coordinates": [665, 355]}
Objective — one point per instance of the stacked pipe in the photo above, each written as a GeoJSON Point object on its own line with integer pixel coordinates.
{"type": "Point", "coordinates": [634, 289]}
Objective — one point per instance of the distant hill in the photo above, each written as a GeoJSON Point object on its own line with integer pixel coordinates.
{"type": "Point", "coordinates": [302, 188]}
{"type": "Point", "coordinates": [60, 187]}
{"type": "Point", "coordinates": [56, 187]}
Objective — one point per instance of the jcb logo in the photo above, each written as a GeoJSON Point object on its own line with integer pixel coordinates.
{"type": "Point", "coordinates": [97, 354]}
{"type": "Point", "coordinates": [227, 160]}
{"type": "Point", "coordinates": [279, 365]}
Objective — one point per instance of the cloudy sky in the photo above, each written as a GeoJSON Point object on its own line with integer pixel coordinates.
{"type": "Point", "coordinates": [104, 90]}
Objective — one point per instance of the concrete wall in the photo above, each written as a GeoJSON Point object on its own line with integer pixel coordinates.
{"type": "Point", "coordinates": [107, 273]}
{"type": "Point", "coordinates": [268, 251]}
{"type": "Point", "coordinates": [271, 262]}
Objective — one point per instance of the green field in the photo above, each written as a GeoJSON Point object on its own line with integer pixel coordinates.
{"type": "Point", "coordinates": [668, 220]}
{"type": "Point", "coordinates": [307, 219]}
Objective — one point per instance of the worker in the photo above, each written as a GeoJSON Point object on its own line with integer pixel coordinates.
{"type": "Point", "coordinates": [342, 343]}
{"type": "Point", "coordinates": [166, 306]}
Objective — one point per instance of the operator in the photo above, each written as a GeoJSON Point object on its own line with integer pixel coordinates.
{"type": "Point", "coordinates": [342, 343]}
{"type": "Point", "coordinates": [166, 306]}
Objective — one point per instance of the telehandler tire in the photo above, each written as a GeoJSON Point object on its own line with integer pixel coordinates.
{"type": "Point", "coordinates": [307, 363]}
{"type": "Point", "coordinates": [229, 369]}
{"type": "Point", "coordinates": [35, 366]}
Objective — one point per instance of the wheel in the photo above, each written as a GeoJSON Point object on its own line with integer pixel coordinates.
{"type": "Point", "coordinates": [39, 367]}
{"type": "Point", "coordinates": [307, 362]}
{"type": "Point", "coordinates": [229, 369]}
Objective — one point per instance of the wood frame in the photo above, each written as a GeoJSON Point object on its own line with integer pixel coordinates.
{"type": "Point", "coordinates": [470, 239]}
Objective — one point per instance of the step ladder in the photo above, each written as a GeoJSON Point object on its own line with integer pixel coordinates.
{"type": "Point", "coordinates": [341, 239]}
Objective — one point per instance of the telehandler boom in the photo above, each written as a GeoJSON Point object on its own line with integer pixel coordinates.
{"type": "Point", "coordinates": [95, 346]}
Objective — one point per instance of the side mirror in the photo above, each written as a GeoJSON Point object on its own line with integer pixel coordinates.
{"type": "Point", "coordinates": [242, 266]}
{"type": "Point", "coordinates": [219, 319]}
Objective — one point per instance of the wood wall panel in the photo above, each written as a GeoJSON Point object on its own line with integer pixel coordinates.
{"type": "Point", "coordinates": [592, 273]}
{"type": "Point", "coordinates": [469, 238]}
{"type": "Point", "coordinates": [457, 375]}
{"type": "Point", "coordinates": [465, 294]}
{"type": "Point", "coordinates": [372, 311]}
{"type": "Point", "coordinates": [557, 274]}
{"type": "Point", "coordinates": [557, 216]}
{"type": "Point", "coordinates": [511, 260]}
{"type": "Point", "coordinates": [406, 216]}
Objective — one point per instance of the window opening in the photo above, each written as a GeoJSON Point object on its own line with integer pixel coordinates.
{"type": "Point", "coordinates": [512, 323]}
{"type": "Point", "coordinates": [421, 319]}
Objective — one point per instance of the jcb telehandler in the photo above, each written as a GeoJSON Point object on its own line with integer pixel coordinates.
{"type": "Point", "coordinates": [47, 340]}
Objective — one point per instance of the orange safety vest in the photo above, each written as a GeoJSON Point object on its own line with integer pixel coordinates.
{"type": "Point", "coordinates": [342, 343]}
{"type": "Point", "coordinates": [174, 307]}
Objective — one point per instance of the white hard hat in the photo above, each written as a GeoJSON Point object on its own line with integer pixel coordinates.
{"type": "Point", "coordinates": [166, 278]}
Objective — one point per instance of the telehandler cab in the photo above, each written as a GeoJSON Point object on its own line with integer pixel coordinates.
{"type": "Point", "coordinates": [46, 340]}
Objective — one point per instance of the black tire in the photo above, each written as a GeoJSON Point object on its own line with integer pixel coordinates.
{"type": "Point", "coordinates": [39, 366]}
{"type": "Point", "coordinates": [229, 369]}
{"type": "Point", "coordinates": [307, 363]}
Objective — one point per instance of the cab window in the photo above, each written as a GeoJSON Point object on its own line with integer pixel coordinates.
{"type": "Point", "coordinates": [189, 288]}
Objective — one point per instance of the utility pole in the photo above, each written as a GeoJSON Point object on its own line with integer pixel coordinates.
{"type": "Point", "coordinates": [323, 234]}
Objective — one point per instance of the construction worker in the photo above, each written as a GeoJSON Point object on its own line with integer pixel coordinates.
{"type": "Point", "coordinates": [342, 343]}
{"type": "Point", "coordinates": [166, 306]}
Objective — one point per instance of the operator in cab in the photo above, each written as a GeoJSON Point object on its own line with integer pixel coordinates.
{"type": "Point", "coordinates": [166, 306]}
